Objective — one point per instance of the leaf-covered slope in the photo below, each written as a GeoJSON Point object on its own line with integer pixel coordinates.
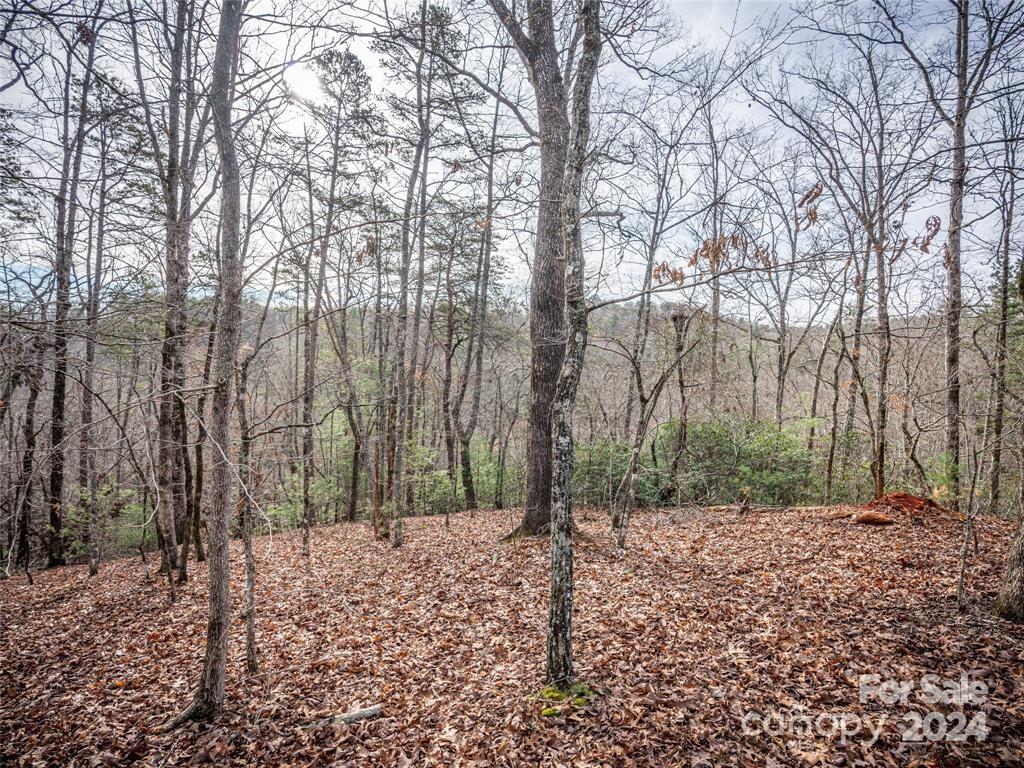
{"type": "Point", "coordinates": [706, 617]}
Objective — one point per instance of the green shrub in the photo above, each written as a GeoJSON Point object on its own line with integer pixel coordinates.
{"type": "Point", "coordinates": [726, 461]}
{"type": "Point", "coordinates": [597, 470]}
{"type": "Point", "coordinates": [775, 465]}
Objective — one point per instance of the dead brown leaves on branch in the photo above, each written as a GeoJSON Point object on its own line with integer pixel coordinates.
{"type": "Point", "coordinates": [718, 254]}
{"type": "Point", "coordinates": [931, 229]}
{"type": "Point", "coordinates": [807, 207]}
{"type": "Point", "coordinates": [736, 249]}
{"type": "Point", "coordinates": [707, 616]}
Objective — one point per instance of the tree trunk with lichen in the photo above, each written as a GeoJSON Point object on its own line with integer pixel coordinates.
{"type": "Point", "coordinates": [559, 657]}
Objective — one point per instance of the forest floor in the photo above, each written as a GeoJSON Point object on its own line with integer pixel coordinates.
{"type": "Point", "coordinates": [709, 622]}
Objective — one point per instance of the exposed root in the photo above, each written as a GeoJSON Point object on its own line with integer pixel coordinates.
{"type": "Point", "coordinates": [519, 534]}
{"type": "Point", "coordinates": [201, 709]}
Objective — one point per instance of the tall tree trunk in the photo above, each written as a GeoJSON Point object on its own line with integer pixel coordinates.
{"type": "Point", "coordinates": [480, 315]}
{"type": "Point", "coordinates": [559, 657]}
{"type": "Point", "coordinates": [884, 347]}
{"type": "Point", "coordinates": [338, 328]}
{"type": "Point", "coordinates": [92, 331]}
{"type": "Point", "coordinates": [999, 408]}
{"type": "Point", "coordinates": [170, 430]}
{"type": "Point", "coordinates": [405, 341]}
{"type": "Point", "coordinates": [209, 697]}
{"type": "Point", "coordinates": [681, 326]}
{"type": "Point", "coordinates": [833, 434]}
{"type": "Point", "coordinates": [547, 280]}
{"type": "Point", "coordinates": [954, 299]}
{"type": "Point", "coordinates": [196, 502]}
{"type": "Point", "coordinates": [23, 507]}
{"type": "Point", "coordinates": [311, 336]}
{"type": "Point", "coordinates": [245, 493]}
{"type": "Point", "coordinates": [447, 416]}
{"type": "Point", "coordinates": [67, 211]}
{"type": "Point", "coordinates": [878, 231]}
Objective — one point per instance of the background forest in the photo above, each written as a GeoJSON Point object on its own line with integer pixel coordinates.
{"type": "Point", "coordinates": [764, 216]}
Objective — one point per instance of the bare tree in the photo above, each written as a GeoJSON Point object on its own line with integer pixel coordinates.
{"type": "Point", "coordinates": [987, 39]}
{"type": "Point", "coordinates": [76, 89]}
{"type": "Point", "coordinates": [209, 697]}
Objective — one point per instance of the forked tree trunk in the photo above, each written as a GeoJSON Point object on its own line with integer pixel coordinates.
{"type": "Point", "coordinates": [622, 505]}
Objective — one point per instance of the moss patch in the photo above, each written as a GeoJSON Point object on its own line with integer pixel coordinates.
{"type": "Point", "coordinates": [577, 695]}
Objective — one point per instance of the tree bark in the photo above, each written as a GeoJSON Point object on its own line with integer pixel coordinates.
{"type": "Point", "coordinates": [196, 502]}
{"type": "Point", "coordinates": [244, 505]}
{"type": "Point", "coordinates": [559, 657]}
{"type": "Point", "coordinates": [67, 210]}
{"type": "Point", "coordinates": [541, 54]}
{"type": "Point", "coordinates": [23, 508]}
{"type": "Point", "coordinates": [312, 326]}
{"type": "Point", "coordinates": [1010, 601]}
{"type": "Point", "coordinates": [999, 384]}
{"type": "Point", "coordinates": [480, 319]}
{"type": "Point", "coordinates": [405, 341]}
{"type": "Point", "coordinates": [92, 331]}
{"type": "Point", "coordinates": [209, 697]}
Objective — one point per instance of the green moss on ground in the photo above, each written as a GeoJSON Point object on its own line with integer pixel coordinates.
{"type": "Point", "coordinates": [578, 695]}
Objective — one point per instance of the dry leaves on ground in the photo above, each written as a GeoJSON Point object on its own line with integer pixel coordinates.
{"type": "Point", "coordinates": [707, 617]}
